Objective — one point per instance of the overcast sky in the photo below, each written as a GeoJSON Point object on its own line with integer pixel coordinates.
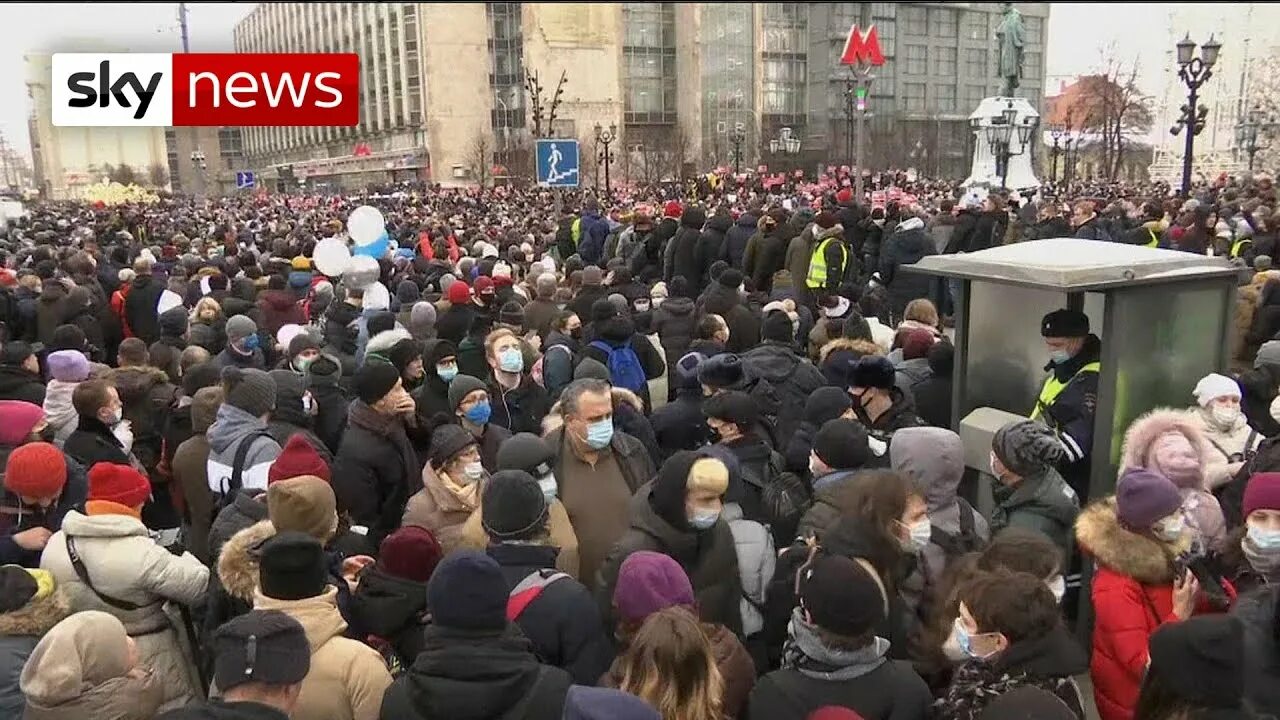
{"type": "Point", "coordinates": [1079, 33]}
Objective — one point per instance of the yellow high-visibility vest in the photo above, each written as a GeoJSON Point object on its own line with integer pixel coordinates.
{"type": "Point", "coordinates": [1053, 388]}
{"type": "Point", "coordinates": [575, 231]}
{"type": "Point", "coordinates": [1155, 240]}
{"type": "Point", "coordinates": [1238, 246]}
{"type": "Point", "coordinates": [818, 263]}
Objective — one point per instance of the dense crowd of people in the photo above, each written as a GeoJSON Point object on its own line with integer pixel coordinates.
{"type": "Point", "coordinates": [635, 457]}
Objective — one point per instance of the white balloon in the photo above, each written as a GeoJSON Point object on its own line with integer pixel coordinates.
{"type": "Point", "coordinates": [287, 333]}
{"type": "Point", "coordinates": [361, 272]}
{"type": "Point", "coordinates": [332, 257]}
{"type": "Point", "coordinates": [365, 224]}
{"type": "Point", "coordinates": [377, 297]}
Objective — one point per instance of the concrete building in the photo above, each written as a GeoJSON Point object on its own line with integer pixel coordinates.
{"type": "Point", "coordinates": [445, 98]}
{"type": "Point", "coordinates": [68, 158]}
{"type": "Point", "coordinates": [222, 150]}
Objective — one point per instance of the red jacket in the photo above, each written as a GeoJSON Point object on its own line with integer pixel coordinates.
{"type": "Point", "coordinates": [1132, 593]}
{"type": "Point", "coordinates": [117, 307]}
{"type": "Point", "coordinates": [280, 308]}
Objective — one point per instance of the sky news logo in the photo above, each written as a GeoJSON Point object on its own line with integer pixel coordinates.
{"type": "Point", "coordinates": [205, 89]}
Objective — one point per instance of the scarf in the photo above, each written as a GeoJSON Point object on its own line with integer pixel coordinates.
{"type": "Point", "coordinates": [805, 652]}
{"type": "Point", "coordinates": [468, 495]}
{"type": "Point", "coordinates": [1265, 563]}
{"type": "Point", "coordinates": [106, 507]}
{"type": "Point", "coordinates": [390, 427]}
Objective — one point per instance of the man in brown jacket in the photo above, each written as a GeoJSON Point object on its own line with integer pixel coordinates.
{"type": "Point", "coordinates": [597, 471]}
{"type": "Point", "coordinates": [190, 472]}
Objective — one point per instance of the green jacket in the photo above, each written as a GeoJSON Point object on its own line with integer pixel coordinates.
{"type": "Point", "coordinates": [1044, 503]}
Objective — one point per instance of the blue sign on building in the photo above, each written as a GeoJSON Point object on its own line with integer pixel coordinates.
{"type": "Point", "coordinates": [558, 163]}
{"type": "Point", "coordinates": [245, 179]}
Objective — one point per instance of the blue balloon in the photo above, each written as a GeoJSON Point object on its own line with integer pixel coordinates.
{"type": "Point", "coordinates": [375, 249]}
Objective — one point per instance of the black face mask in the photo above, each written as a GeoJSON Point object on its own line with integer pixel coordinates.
{"type": "Point", "coordinates": [576, 333]}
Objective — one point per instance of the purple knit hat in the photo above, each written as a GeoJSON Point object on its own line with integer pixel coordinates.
{"type": "Point", "coordinates": [1143, 497]}
{"type": "Point", "coordinates": [649, 582]}
{"type": "Point", "coordinates": [68, 366]}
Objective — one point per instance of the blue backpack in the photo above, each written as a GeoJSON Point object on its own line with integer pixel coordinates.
{"type": "Point", "coordinates": [624, 366]}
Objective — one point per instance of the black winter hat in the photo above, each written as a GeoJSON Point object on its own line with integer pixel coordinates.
{"type": "Point", "coordinates": [721, 371]}
{"type": "Point", "coordinates": [198, 377]}
{"type": "Point", "coordinates": [447, 441]}
{"type": "Point", "coordinates": [872, 371]}
{"type": "Point", "coordinates": [826, 403]}
{"type": "Point", "coordinates": [1202, 658]}
{"type": "Point", "coordinates": [733, 406]}
{"type": "Point", "coordinates": [437, 350]}
{"type": "Point", "coordinates": [15, 353]}
{"type": "Point", "coordinates": [687, 370]}
{"type": "Point", "coordinates": [292, 567]}
{"type": "Point", "coordinates": [173, 322]}
{"type": "Point", "coordinates": [942, 359]}
{"type": "Point", "coordinates": [856, 327]}
{"type": "Point", "coordinates": [730, 278]}
{"type": "Point", "coordinates": [467, 592]}
{"type": "Point", "coordinates": [1065, 324]}
{"type": "Point", "coordinates": [261, 646]}
{"type": "Point", "coordinates": [716, 268]}
{"type": "Point", "coordinates": [302, 342]}
{"type": "Point", "coordinates": [511, 314]}
{"type": "Point", "coordinates": [602, 310]}
{"type": "Point", "coordinates": [374, 380]}
{"type": "Point", "coordinates": [17, 587]}
{"type": "Point", "coordinates": [461, 387]}
{"type": "Point", "coordinates": [842, 444]}
{"type": "Point", "coordinates": [679, 286]}
{"type": "Point", "coordinates": [67, 337]}
{"type": "Point", "coordinates": [777, 327]}
{"type": "Point", "coordinates": [404, 352]}
{"type": "Point", "coordinates": [512, 506]}
{"type": "Point", "coordinates": [324, 371]}
{"type": "Point", "coordinates": [407, 292]}
{"type": "Point", "coordinates": [841, 596]}
{"type": "Point", "coordinates": [251, 390]}
{"type": "Point", "coordinates": [381, 322]}
{"type": "Point", "coordinates": [527, 452]}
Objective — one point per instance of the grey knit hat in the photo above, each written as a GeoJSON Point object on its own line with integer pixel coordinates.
{"type": "Point", "coordinates": [240, 327]}
{"type": "Point", "coordinates": [253, 391]}
{"type": "Point", "coordinates": [1026, 448]}
{"type": "Point", "coordinates": [462, 386]}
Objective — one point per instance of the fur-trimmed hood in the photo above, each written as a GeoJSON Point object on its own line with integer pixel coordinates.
{"type": "Point", "coordinates": [1140, 557]}
{"type": "Point", "coordinates": [820, 234]}
{"type": "Point", "coordinates": [859, 346]}
{"type": "Point", "coordinates": [1144, 432]}
{"type": "Point", "coordinates": [36, 617]}
{"type": "Point", "coordinates": [238, 563]}
{"type": "Point", "coordinates": [554, 419]}
{"type": "Point", "coordinates": [386, 339]}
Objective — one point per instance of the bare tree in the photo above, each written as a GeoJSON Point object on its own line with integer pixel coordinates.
{"type": "Point", "coordinates": [543, 110]}
{"type": "Point", "coordinates": [480, 158]}
{"type": "Point", "coordinates": [1110, 106]}
{"type": "Point", "coordinates": [158, 175]}
{"type": "Point", "coordinates": [123, 174]}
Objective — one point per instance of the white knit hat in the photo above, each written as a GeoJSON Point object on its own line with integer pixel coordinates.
{"type": "Point", "coordinates": [1214, 386]}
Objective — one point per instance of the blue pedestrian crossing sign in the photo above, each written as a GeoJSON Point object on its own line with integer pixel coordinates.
{"type": "Point", "coordinates": [245, 179]}
{"type": "Point", "coordinates": [558, 163]}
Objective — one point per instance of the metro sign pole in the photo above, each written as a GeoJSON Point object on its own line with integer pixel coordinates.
{"type": "Point", "coordinates": [862, 54]}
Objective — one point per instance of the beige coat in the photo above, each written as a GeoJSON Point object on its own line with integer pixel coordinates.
{"type": "Point", "coordinates": [440, 510]}
{"type": "Point", "coordinates": [347, 678]}
{"type": "Point", "coordinates": [562, 536]}
{"type": "Point", "coordinates": [124, 563]}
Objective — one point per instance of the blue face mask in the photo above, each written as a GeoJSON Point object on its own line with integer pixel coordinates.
{"type": "Point", "coordinates": [965, 641]}
{"type": "Point", "coordinates": [479, 413]}
{"type": "Point", "coordinates": [447, 372]}
{"type": "Point", "coordinates": [510, 360]}
{"type": "Point", "coordinates": [704, 520]}
{"type": "Point", "coordinates": [1263, 538]}
{"type": "Point", "coordinates": [600, 433]}
{"type": "Point", "coordinates": [1057, 357]}
{"type": "Point", "coordinates": [251, 343]}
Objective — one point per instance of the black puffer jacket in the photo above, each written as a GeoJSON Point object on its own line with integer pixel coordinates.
{"type": "Point", "coordinates": [712, 241]}
{"type": "Point", "coordinates": [393, 609]}
{"type": "Point", "coordinates": [140, 307]}
{"type": "Point", "coordinates": [793, 377]}
{"type": "Point", "coordinates": [681, 256]}
{"type": "Point", "coordinates": [907, 246]}
{"type": "Point", "coordinates": [735, 240]}
{"type": "Point", "coordinates": [770, 257]}
{"type": "Point", "coordinates": [17, 383]}
{"type": "Point", "coordinates": [1257, 610]}
{"type": "Point", "coordinates": [658, 524]}
{"type": "Point", "coordinates": [744, 326]}
{"type": "Point", "coordinates": [562, 622]}
{"type": "Point", "coordinates": [675, 323]}
{"type": "Point", "coordinates": [477, 675]}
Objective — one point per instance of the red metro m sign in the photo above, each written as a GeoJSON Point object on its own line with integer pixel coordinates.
{"type": "Point", "coordinates": [862, 48]}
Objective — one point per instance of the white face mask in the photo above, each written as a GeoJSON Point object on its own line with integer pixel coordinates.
{"type": "Point", "coordinates": [1226, 415]}
{"type": "Point", "coordinates": [1170, 528]}
{"type": "Point", "coordinates": [1058, 586]}
{"type": "Point", "coordinates": [921, 531]}
{"type": "Point", "coordinates": [473, 471]}
{"type": "Point", "coordinates": [815, 468]}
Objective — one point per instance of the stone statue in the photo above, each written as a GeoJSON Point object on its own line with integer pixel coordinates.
{"type": "Point", "coordinates": [1010, 38]}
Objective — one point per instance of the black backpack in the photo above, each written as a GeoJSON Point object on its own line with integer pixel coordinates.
{"type": "Point", "coordinates": [783, 499]}
{"type": "Point", "coordinates": [953, 546]}
{"type": "Point", "coordinates": [235, 482]}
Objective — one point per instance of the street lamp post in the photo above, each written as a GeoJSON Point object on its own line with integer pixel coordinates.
{"type": "Point", "coordinates": [1000, 133]}
{"type": "Point", "coordinates": [786, 142]}
{"type": "Point", "coordinates": [1056, 133]}
{"type": "Point", "coordinates": [736, 139]}
{"type": "Point", "coordinates": [605, 138]}
{"type": "Point", "coordinates": [1195, 72]}
{"type": "Point", "coordinates": [198, 162]}
{"type": "Point", "coordinates": [1247, 132]}
{"type": "Point", "coordinates": [856, 89]}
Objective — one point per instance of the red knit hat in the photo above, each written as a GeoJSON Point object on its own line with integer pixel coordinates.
{"type": "Point", "coordinates": [483, 284]}
{"type": "Point", "coordinates": [36, 470]}
{"type": "Point", "coordinates": [672, 209]}
{"type": "Point", "coordinates": [459, 293]}
{"type": "Point", "coordinates": [298, 458]}
{"type": "Point", "coordinates": [410, 553]}
{"type": "Point", "coordinates": [119, 484]}
{"type": "Point", "coordinates": [844, 196]}
{"type": "Point", "coordinates": [1261, 493]}
{"type": "Point", "coordinates": [17, 418]}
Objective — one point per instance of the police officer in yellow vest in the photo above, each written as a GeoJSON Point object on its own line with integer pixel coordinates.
{"type": "Point", "coordinates": [829, 260]}
{"type": "Point", "coordinates": [1069, 398]}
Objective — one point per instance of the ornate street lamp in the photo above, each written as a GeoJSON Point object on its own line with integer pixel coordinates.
{"type": "Point", "coordinates": [1195, 72]}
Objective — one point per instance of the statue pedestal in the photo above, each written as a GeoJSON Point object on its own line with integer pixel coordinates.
{"type": "Point", "coordinates": [1021, 174]}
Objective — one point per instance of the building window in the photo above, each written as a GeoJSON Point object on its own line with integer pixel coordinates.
{"type": "Point", "coordinates": [784, 83]}
{"type": "Point", "coordinates": [975, 25]}
{"type": "Point", "coordinates": [944, 61]}
{"type": "Point", "coordinates": [649, 85]}
{"type": "Point", "coordinates": [648, 25]}
{"type": "Point", "coordinates": [916, 60]}
{"type": "Point", "coordinates": [916, 19]}
{"type": "Point", "coordinates": [785, 27]}
{"type": "Point", "coordinates": [942, 22]}
{"type": "Point", "coordinates": [1034, 26]}
{"type": "Point", "coordinates": [975, 62]}
{"type": "Point", "coordinates": [230, 142]}
{"type": "Point", "coordinates": [506, 56]}
{"type": "Point", "coordinates": [913, 96]}
{"type": "Point", "coordinates": [945, 97]}
{"type": "Point", "coordinates": [973, 95]}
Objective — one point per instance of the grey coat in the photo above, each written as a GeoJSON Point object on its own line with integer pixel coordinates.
{"type": "Point", "coordinates": [232, 427]}
{"type": "Point", "coordinates": [756, 561]}
{"type": "Point", "coordinates": [1044, 503]}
